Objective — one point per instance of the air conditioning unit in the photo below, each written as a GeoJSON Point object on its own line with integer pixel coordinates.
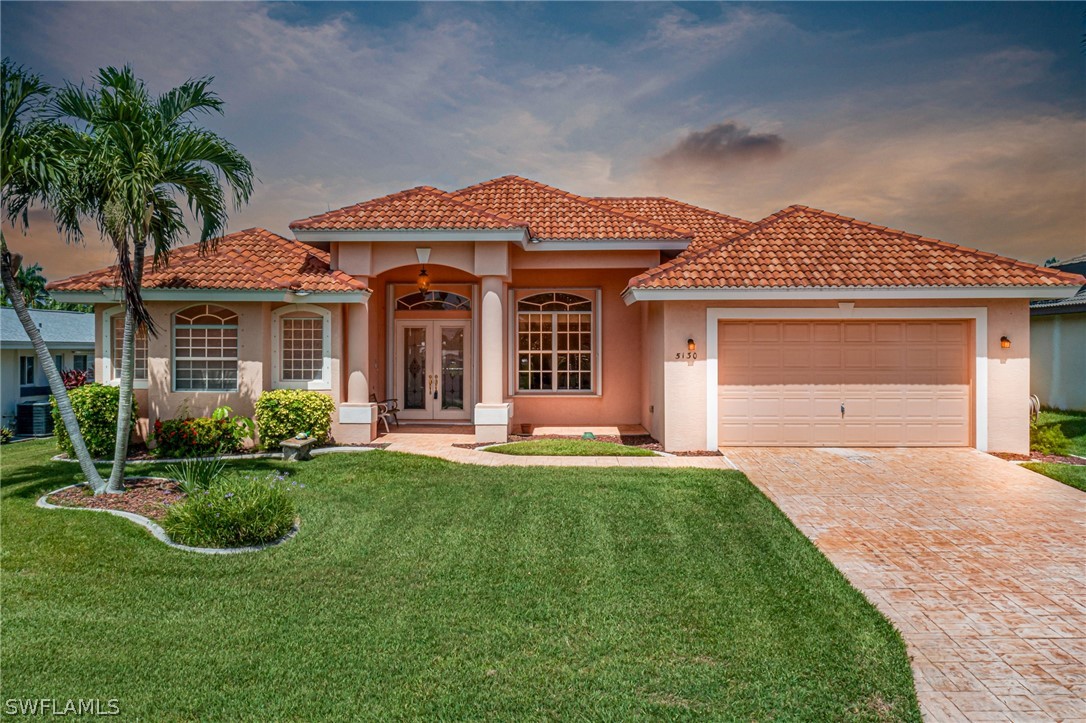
{"type": "Point", "coordinates": [34, 419]}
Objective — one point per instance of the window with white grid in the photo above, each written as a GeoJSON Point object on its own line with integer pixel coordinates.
{"type": "Point", "coordinates": [554, 343]}
{"type": "Point", "coordinates": [116, 340]}
{"type": "Point", "coordinates": [302, 348]}
{"type": "Point", "coordinates": [205, 349]}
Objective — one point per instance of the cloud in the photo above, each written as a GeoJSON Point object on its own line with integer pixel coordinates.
{"type": "Point", "coordinates": [722, 146]}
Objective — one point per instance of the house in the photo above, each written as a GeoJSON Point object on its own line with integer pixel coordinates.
{"type": "Point", "coordinates": [69, 336]}
{"type": "Point", "coordinates": [512, 303]}
{"type": "Point", "coordinates": [1058, 339]}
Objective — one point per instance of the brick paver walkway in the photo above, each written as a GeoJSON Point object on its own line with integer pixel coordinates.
{"type": "Point", "coordinates": [978, 562]}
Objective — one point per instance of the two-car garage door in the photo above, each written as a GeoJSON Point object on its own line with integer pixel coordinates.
{"type": "Point", "coordinates": [844, 383]}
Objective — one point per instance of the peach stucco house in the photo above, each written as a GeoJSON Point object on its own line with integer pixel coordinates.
{"type": "Point", "coordinates": [542, 307]}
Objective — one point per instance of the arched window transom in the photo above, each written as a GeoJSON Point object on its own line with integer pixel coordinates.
{"type": "Point", "coordinates": [433, 301]}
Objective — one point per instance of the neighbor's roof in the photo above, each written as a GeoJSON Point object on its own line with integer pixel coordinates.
{"type": "Point", "coordinates": [251, 260]}
{"type": "Point", "coordinates": [423, 207]}
{"type": "Point", "coordinates": [59, 329]}
{"type": "Point", "coordinates": [806, 247]}
{"type": "Point", "coordinates": [1071, 305]}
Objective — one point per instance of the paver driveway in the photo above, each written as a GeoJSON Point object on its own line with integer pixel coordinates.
{"type": "Point", "coordinates": [978, 562]}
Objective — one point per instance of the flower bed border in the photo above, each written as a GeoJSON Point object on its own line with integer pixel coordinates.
{"type": "Point", "coordinates": [229, 457]}
{"type": "Point", "coordinates": [160, 534]}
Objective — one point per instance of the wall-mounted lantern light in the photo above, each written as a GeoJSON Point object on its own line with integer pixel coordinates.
{"type": "Point", "coordinates": [691, 345]}
{"type": "Point", "coordinates": [1005, 342]}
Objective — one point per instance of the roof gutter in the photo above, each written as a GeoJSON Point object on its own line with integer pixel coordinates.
{"type": "Point", "coordinates": [632, 294]}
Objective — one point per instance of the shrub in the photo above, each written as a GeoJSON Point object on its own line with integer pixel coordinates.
{"type": "Point", "coordinates": [196, 474]}
{"type": "Point", "coordinates": [5, 435]}
{"type": "Point", "coordinates": [234, 512]}
{"type": "Point", "coordinates": [283, 413]}
{"type": "Point", "coordinates": [1048, 439]}
{"type": "Point", "coordinates": [95, 407]}
{"type": "Point", "coordinates": [196, 437]}
{"type": "Point", "coordinates": [73, 378]}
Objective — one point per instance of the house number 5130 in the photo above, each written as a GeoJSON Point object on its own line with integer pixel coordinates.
{"type": "Point", "coordinates": [686, 355]}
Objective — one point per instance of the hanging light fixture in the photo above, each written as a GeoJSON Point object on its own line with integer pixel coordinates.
{"type": "Point", "coordinates": [423, 281]}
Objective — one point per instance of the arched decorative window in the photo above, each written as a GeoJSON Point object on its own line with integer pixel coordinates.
{"type": "Point", "coordinates": [554, 343]}
{"type": "Point", "coordinates": [205, 349]}
{"type": "Point", "coordinates": [301, 342]}
{"type": "Point", "coordinates": [433, 301]}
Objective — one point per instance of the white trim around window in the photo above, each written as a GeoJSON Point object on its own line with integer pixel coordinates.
{"type": "Point", "coordinates": [589, 294]}
{"type": "Point", "coordinates": [108, 377]}
{"type": "Point", "coordinates": [977, 314]}
{"type": "Point", "coordinates": [324, 382]}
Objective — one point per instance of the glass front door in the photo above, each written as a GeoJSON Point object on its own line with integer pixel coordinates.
{"type": "Point", "coordinates": [433, 369]}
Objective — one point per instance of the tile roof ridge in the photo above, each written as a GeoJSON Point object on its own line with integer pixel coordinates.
{"type": "Point", "coordinates": [415, 190]}
{"type": "Point", "coordinates": [677, 202]}
{"type": "Point", "coordinates": [586, 200]}
{"type": "Point", "coordinates": [1055, 273]}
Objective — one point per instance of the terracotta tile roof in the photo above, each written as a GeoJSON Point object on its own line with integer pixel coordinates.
{"type": "Point", "coordinates": [709, 227]}
{"type": "Point", "coordinates": [252, 260]}
{"type": "Point", "coordinates": [806, 247]}
{"type": "Point", "coordinates": [423, 207]}
{"type": "Point", "coordinates": [552, 213]}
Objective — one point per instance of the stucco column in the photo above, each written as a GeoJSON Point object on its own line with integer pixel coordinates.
{"type": "Point", "coordinates": [357, 415]}
{"type": "Point", "coordinates": [358, 353]}
{"type": "Point", "coordinates": [492, 414]}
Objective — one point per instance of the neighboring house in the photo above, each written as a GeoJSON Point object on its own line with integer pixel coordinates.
{"type": "Point", "coordinates": [69, 336]}
{"type": "Point", "coordinates": [1058, 339]}
{"type": "Point", "coordinates": [513, 303]}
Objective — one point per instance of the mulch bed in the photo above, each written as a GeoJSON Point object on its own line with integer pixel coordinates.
{"type": "Point", "coordinates": [1036, 457]}
{"type": "Point", "coordinates": [147, 496]}
{"type": "Point", "coordinates": [642, 441]}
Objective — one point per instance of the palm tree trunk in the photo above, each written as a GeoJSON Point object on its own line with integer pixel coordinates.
{"type": "Point", "coordinates": [128, 373]}
{"type": "Point", "coordinates": [56, 384]}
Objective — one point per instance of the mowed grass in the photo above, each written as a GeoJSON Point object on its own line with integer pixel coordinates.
{"type": "Point", "coordinates": [570, 448]}
{"type": "Point", "coordinates": [1070, 474]}
{"type": "Point", "coordinates": [1073, 424]}
{"type": "Point", "coordinates": [421, 589]}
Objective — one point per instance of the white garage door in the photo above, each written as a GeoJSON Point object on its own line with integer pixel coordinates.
{"type": "Point", "coordinates": [844, 383]}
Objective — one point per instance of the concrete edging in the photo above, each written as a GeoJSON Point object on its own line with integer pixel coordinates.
{"type": "Point", "coordinates": [229, 457]}
{"type": "Point", "coordinates": [160, 534]}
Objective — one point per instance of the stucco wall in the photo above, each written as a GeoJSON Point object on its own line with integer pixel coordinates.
{"type": "Point", "coordinates": [160, 401]}
{"type": "Point", "coordinates": [1058, 363]}
{"type": "Point", "coordinates": [684, 381]}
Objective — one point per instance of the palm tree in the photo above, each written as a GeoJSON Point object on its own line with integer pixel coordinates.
{"type": "Point", "coordinates": [31, 171]}
{"type": "Point", "coordinates": [136, 156]}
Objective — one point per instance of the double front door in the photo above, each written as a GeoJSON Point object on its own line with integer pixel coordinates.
{"type": "Point", "coordinates": [432, 369]}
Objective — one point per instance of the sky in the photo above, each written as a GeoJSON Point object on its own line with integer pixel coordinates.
{"type": "Point", "coordinates": [959, 121]}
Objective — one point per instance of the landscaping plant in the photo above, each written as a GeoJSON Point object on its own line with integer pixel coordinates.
{"type": "Point", "coordinates": [234, 511]}
{"type": "Point", "coordinates": [95, 408]}
{"type": "Point", "coordinates": [197, 474]}
{"type": "Point", "coordinates": [5, 435]}
{"type": "Point", "coordinates": [196, 437]}
{"type": "Point", "coordinates": [1048, 439]}
{"type": "Point", "coordinates": [73, 378]}
{"type": "Point", "coordinates": [283, 413]}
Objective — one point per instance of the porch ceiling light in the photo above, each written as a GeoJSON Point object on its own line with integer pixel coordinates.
{"type": "Point", "coordinates": [1005, 342]}
{"type": "Point", "coordinates": [423, 280]}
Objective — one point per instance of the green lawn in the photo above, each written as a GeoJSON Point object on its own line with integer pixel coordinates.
{"type": "Point", "coordinates": [1072, 423]}
{"type": "Point", "coordinates": [570, 448]}
{"type": "Point", "coordinates": [419, 588]}
{"type": "Point", "coordinates": [1069, 474]}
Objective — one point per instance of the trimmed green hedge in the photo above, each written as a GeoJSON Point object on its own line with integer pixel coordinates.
{"type": "Point", "coordinates": [233, 512]}
{"type": "Point", "coordinates": [95, 407]}
{"type": "Point", "coordinates": [283, 413]}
